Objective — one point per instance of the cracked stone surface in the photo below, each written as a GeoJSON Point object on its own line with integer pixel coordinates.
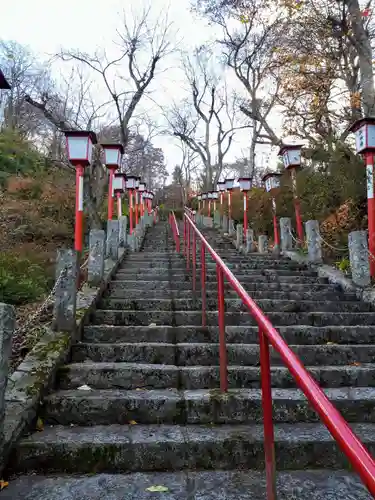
{"type": "Point", "coordinates": [212, 485]}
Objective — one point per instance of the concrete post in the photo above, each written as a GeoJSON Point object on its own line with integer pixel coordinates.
{"type": "Point", "coordinates": [64, 309]}
{"type": "Point", "coordinates": [225, 223]}
{"type": "Point", "coordinates": [7, 327]}
{"type": "Point", "coordinates": [249, 240]}
{"type": "Point", "coordinates": [123, 221]}
{"type": "Point", "coordinates": [359, 258]}
{"type": "Point", "coordinates": [314, 242]}
{"type": "Point", "coordinates": [239, 234]}
{"type": "Point", "coordinates": [231, 230]}
{"type": "Point", "coordinates": [113, 233]}
{"type": "Point", "coordinates": [286, 233]}
{"type": "Point", "coordinates": [95, 268]}
{"type": "Point", "coordinates": [263, 243]}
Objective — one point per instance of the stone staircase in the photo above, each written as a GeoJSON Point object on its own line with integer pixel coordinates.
{"type": "Point", "coordinates": [138, 405]}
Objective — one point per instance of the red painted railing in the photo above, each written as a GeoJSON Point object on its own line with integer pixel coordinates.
{"type": "Point", "coordinates": [175, 230]}
{"type": "Point", "coordinates": [352, 447]}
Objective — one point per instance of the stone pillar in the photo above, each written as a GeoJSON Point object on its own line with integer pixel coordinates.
{"type": "Point", "coordinates": [239, 233]}
{"type": "Point", "coordinates": [263, 243]}
{"type": "Point", "coordinates": [64, 309]}
{"type": "Point", "coordinates": [224, 223]}
{"type": "Point", "coordinates": [7, 327]}
{"type": "Point", "coordinates": [286, 233]}
{"type": "Point", "coordinates": [249, 240]}
{"type": "Point", "coordinates": [113, 233]}
{"type": "Point", "coordinates": [231, 227]}
{"type": "Point", "coordinates": [95, 266]}
{"type": "Point", "coordinates": [359, 258]}
{"type": "Point", "coordinates": [132, 242]}
{"type": "Point", "coordinates": [123, 221]}
{"type": "Point", "coordinates": [314, 242]}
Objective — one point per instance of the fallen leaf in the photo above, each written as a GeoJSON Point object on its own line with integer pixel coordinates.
{"type": "Point", "coordinates": [157, 489]}
{"type": "Point", "coordinates": [3, 484]}
{"type": "Point", "coordinates": [132, 422]}
{"type": "Point", "coordinates": [84, 387]}
{"type": "Point", "coordinates": [39, 425]}
{"type": "Point", "coordinates": [355, 363]}
{"type": "Point", "coordinates": [152, 324]}
{"type": "Point", "coordinates": [331, 343]}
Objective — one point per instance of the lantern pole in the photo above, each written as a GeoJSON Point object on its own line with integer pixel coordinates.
{"type": "Point", "coordinates": [276, 236]}
{"type": "Point", "coordinates": [110, 193]}
{"type": "Point", "coordinates": [369, 157]}
{"type": "Point", "coordinates": [136, 206]}
{"type": "Point", "coordinates": [365, 145]}
{"type": "Point", "coordinates": [131, 211]}
{"type": "Point", "coordinates": [272, 182]}
{"type": "Point", "coordinates": [209, 204]}
{"type": "Point", "coordinates": [297, 205]}
{"type": "Point", "coordinates": [291, 154]}
{"type": "Point", "coordinates": [79, 146]}
{"type": "Point", "coordinates": [78, 230]}
{"type": "Point", "coordinates": [245, 212]}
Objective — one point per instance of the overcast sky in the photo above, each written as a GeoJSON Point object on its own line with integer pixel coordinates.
{"type": "Point", "coordinates": [48, 25]}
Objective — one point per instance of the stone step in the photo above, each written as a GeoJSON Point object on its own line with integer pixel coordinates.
{"type": "Point", "coordinates": [145, 266]}
{"type": "Point", "coordinates": [194, 318]}
{"type": "Point", "coordinates": [134, 293]}
{"type": "Point", "coordinates": [154, 376]}
{"type": "Point", "coordinates": [117, 448]}
{"type": "Point", "coordinates": [171, 406]}
{"type": "Point", "coordinates": [211, 271]}
{"type": "Point", "coordinates": [189, 485]}
{"type": "Point", "coordinates": [148, 285]}
{"type": "Point", "coordinates": [243, 278]}
{"type": "Point", "coordinates": [233, 305]}
{"type": "Point", "coordinates": [192, 354]}
{"type": "Point", "coordinates": [305, 335]}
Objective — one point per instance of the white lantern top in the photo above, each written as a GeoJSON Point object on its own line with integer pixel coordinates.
{"type": "Point", "coordinates": [118, 185]}
{"type": "Point", "coordinates": [209, 195]}
{"type": "Point", "coordinates": [131, 182]}
{"type": "Point", "coordinates": [245, 183]}
{"type": "Point", "coordinates": [79, 144]}
{"type": "Point", "coordinates": [142, 187]}
{"type": "Point", "coordinates": [204, 196]}
{"type": "Point", "coordinates": [113, 155]}
{"type": "Point", "coordinates": [364, 130]}
{"type": "Point", "coordinates": [229, 184]}
{"type": "Point", "coordinates": [291, 155]}
{"type": "Point", "coordinates": [137, 182]}
{"type": "Point", "coordinates": [199, 197]}
{"type": "Point", "coordinates": [214, 195]}
{"type": "Point", "coordinates": [221, 185]}
{"type": "Point", "coordinates": [271, 181]}
{"type": "Point", "coordinates": [151, 195]}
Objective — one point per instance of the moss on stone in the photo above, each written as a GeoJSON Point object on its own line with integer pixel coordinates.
{"type": "Point", "coordinates": [218, 395]}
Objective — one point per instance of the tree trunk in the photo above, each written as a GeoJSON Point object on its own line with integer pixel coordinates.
{"type": "Point", "coordinates": [364, 50]}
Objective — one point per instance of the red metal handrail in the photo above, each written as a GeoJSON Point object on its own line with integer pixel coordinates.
{"type": "Point", "coordinates": [349, 443]}
{"type": "Point", "coordinates": [175, 230]}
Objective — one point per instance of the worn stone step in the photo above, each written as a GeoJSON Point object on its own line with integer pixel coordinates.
{"type": "Point", "coordinates": [211, 272]}
{"type": "Point", "coordinates": [192, 354]}
{"type": "Point", "coordinates": [243, 278]}
{"type": "Point", "coordinates": [134, 293]}
{"type": "Point", "coordinates": [194, 318]}
{"type": "Point", "coordinates": [145, 266]}
{"type": "Point", "coordinates": [205, 485]}
{"type": "Point", "coordinates": [116, 406]}
{"type": "Point", "coordinates": [148, 284]}
{"type": "Point", "coordinates": [298, 334]}
{"type": "Point", "coordinates": [234, 304]}
{"type": "Point", "coordinates": [153, 376]}
{"type": "Point", "coordinates": [173, 447]}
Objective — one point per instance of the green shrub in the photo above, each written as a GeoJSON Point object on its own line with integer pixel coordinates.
{"type": "Point", "coordinates": [21, 280]}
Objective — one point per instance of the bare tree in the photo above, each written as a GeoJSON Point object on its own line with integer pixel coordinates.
{"type": "Point", "coordinates": [141, 47]}
{"type": "Point", "coordinates": [207, 121]}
